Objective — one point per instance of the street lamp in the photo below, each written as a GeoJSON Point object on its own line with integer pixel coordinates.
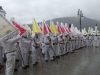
{"type": "Point", "coordinates": [80, 16]}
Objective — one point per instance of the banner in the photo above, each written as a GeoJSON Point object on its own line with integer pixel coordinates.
{"type": "Point", "coordinates": [6, 28]}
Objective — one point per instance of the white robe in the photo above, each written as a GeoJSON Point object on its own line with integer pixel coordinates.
{"type": "Point", "coordinates": [35, 51]}
{"type": "Point", "coordinates": [42, 45]}
{"type": "Point", "coordinates": [48, 50]}
{"type": "Point", "coordinates": [10, 63]}
{"type": "Point", "coordinates": [90, 41]}
{"type": "Point", "coordinates": [24, 46]}
{"type": "Point", "coordinates": [96, 38]}
{"type": "Point", "coordinates": [16, 47]}
{"type": "Point", "coordinates": [55, 45]}
{"type": "Point", "coordinates": [66, 44]}
{"type": "Point", "coordinates": [61, 45]}
{"type": "Point", "coordinates": [84, 40]}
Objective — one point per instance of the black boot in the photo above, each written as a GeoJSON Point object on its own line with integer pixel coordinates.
{"type": "Point", "coordinates": [27, 66]}
{"type": "Point", "coordinates": [34, 64]}
{"type": "Point", "coordinates": [17, 60]}
{"type": "Point", "coordinates": [15, 69]}
{"type": "Point", "coordinates": [54, 57]}
{"type": "Point", "coordinates": [46, 60]}
{"type": "Point", "coordinates": [66, 53]}
{"type": "Point", "coordinates": [57, 56]}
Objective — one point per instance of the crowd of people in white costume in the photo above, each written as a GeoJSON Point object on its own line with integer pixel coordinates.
{"type": "Point", "coordinates": [34, 47]}
{"type": "Point", "coordinates": [52, 46]}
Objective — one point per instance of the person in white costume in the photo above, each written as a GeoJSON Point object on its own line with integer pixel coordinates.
{"type": "Point", "coordinates": [54, 40]}
{"type": "Point", "coordinates": [70, 44]}
{"type": "Point", "coordinates": [87, 40]}
{"type": "Point", "coordinates": [36, 50]}
{"type": "Point", "coordinates": [61, 44]}
{"type": "Point", "coordinates": [80, 43]}
{"type": "Point", "coordinates": [48, 48]}
{"type": "Point", "coordinates": [96, 38]}
{"type": "Point", "coordinates": [90, 41]}
{"type": "Point", "coordinates": [77, 42]}
{"type": "Point", "coordinates": [24, 46]}
{"type": "Point", "coordinates": [66, 41]}
{"type": "Point", "coordinates": [84, 40]}
{"type": "Point", "coordinates": [42, 45]}
{"type": "Point", "coordinates": [73, 42]}
{"type": "Point", "coordinates": [10, 54]}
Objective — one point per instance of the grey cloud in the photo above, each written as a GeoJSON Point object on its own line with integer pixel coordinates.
{"type": "Point", "coordinates": [25, 10]}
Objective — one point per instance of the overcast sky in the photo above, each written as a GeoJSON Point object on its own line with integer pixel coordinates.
{"type": "Point", "coordinates": [25, 10]}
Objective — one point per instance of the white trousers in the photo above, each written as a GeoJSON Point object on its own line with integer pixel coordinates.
{"type": "Point", "coordinates": [10, 63]}
{"type": "Point", "coordinates": [55, 47]}
{"type": "Point", "coordinates": [71, 47]}
{"type": "Point", "coordinates": [25, 59]}
{"type": "Point", "coordinates": [43, 48]}
{"type": "Point", "coordinates": [61, 49]}
{"type": "Point", "coordinates": [89, 43]}
{"type": "Point", "coordinates": [96, 42]}
{"type": "Point", "coordinates": [66, 48]}
{"type": "Point", "coordinates": [17, 54]}
{"type": "Point", "coordinates": [80, 44]}
{"type": "Point", "coordinates": [25, 55]}
{"type": "Point", "coordinates": [77, 45]}
{"type": "Point", "coordinates": [34, 55]}
{"type": "Point", "coordinates": [86, 42]}
{"type": "Point", "coordinates": [48, 53]}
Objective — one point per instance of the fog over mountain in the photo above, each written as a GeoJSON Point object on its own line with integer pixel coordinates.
{"type": "Point", "coordinates": [87, 22]}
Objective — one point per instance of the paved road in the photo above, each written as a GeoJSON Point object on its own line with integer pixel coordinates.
{"type": "Point", "coordinates": [85, 61]}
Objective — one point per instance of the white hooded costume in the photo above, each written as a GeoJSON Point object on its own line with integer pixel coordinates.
{"type": "Point", "coordinates": [66, 41]}
{"type": "Point", "coordinates": [61, 44]}
{"type": "Point", "coordinates": [48, 48]}
{"type": "Point", "coordinates": [96, 38]}
{"type": "Point", "coordinates": [24, 46]}
{"type": "Point", "coordinates": [35, 49]}
{"type": "Point", "coordinates": [90, 40]}
{"type": "Point", "coordinates": [10, 54]}
{"type": "Point", "coordinates": [70, 44]}
{"type": "Point", "coordinates": [55, 45]}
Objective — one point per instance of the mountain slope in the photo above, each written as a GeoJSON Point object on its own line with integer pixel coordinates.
{"type": "Point", "coordinates": [85, 23]}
